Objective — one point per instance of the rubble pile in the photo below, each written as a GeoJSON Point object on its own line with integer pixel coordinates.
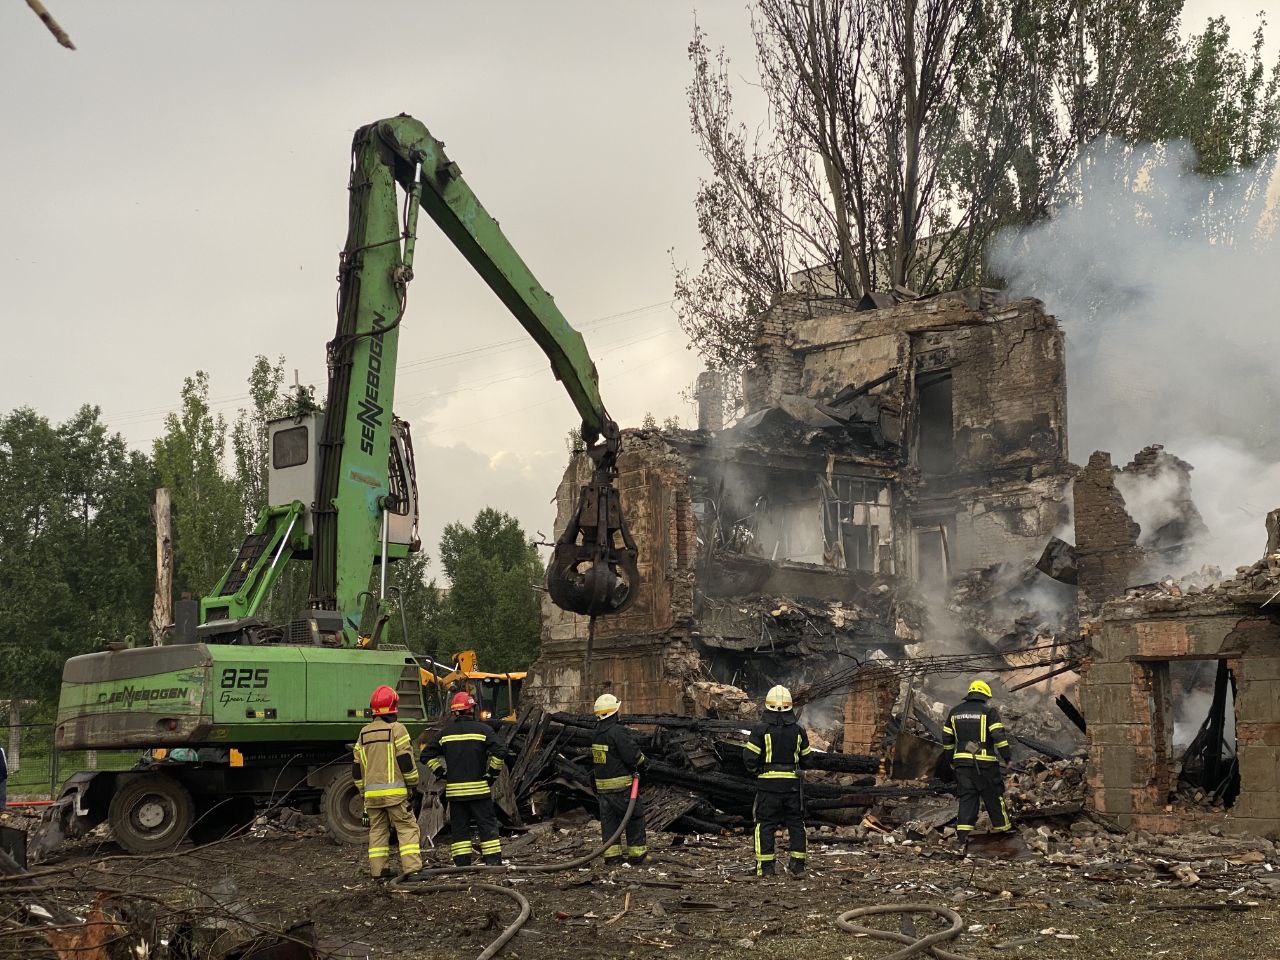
{"type": "Point", "coordinates": [1044, 788]}
{"type": "Point", "coordinates": [695, 779]}
{"type": "Point", "coordinates": [1207, 580]}
{"type": "Point", "coordinates": [799, 627]}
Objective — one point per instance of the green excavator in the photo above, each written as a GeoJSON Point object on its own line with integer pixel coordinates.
{"type": "Point", "coordinates": [238, 711]}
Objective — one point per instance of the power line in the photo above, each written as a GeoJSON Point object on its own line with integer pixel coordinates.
{"type": "Point", "coordinates": [146, 414]}
{"type": "Point", "coordinates": [523, 373]}
{"type": "Point", "coordinates": [542, 403]}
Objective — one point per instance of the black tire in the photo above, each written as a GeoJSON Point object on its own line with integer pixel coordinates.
{"type": "Point", "coordinates": [150, 813]}
{"type": "Point", "coordinates": [342, 808]}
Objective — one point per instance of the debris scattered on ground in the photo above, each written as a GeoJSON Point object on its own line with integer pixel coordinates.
{"type": "Point", "coordinates": [1080, 891]}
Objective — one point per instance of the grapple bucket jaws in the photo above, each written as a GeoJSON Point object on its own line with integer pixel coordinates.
{"type": "Point", "coordinates": [593, 566]}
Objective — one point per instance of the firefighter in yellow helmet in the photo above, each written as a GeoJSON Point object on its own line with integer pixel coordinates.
{"type": "Point", "coordinates": [774, 753]}
{"type": "Point", "coordinates": [616, 759]}
{"type": "Point", "coordinates": [384, 772]}
{"type": "Point", "coordinates": [979, 746]}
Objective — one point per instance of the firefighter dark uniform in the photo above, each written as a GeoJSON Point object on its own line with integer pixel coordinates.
{"type": "Point", "coordinates": [774, 753]}
{"type": "Point", "coordinates": [384, 772]}
{"type": "Point", "coordinates": [616, 759]}
{"type": "Point", "coordinates": [467, 755]}
{"type": "Point", "coordinates": [978, 745]}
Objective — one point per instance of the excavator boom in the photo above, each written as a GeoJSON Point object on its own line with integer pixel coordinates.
{"type": "Point", "coordinates": [593, 567]}
{"type": "Point", "coordinates": [456, 210]}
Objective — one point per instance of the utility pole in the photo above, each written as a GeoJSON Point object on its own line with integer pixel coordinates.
{"type": "Point", "coordinates": [162, 604]}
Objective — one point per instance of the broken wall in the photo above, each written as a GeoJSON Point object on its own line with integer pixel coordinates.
{"type": "Point", "coordinates": [997, 486]}
{"type": "Point", "coordinates": [1126, 695]}
{"type": "Point", "coordinates": [639, 655]}
{"type": "Point", "coordinates": [879, 447]}
{"type": "Point", "coordinates": [1107, 553]}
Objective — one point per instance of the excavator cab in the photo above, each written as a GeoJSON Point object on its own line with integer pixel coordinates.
{"type": "Point", "coordinates": [593, 565]}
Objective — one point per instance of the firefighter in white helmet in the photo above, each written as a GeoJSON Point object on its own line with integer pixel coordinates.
{"type": "Point", "coordinates": [774, 753]}
{"type": "Point", "coordinates": [616, 759]}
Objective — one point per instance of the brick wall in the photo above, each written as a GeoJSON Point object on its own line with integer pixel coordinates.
{"type": "Point", "coordinates": [867, 709]}
{"type": "Point", "coordinates": [629, 651]}
{"type": "Point", "coordinates": [1107, 553]}
{"type": "Point", "coordinates": [1126, 697]}
{"type": "Point", "coordinates": [1007, 366]}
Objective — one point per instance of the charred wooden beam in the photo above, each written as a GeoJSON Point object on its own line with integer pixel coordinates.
{"type": "Point", "coordinates": [1071, 712]}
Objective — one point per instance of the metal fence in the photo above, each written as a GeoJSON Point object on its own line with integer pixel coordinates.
{"type": "Point", "coordinates": [37, 769]}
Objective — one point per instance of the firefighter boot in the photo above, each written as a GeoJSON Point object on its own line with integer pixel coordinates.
{"type": "Point", "coordinates": [764, 868]}
{"type": "Point", "coordinates": [795, 866]}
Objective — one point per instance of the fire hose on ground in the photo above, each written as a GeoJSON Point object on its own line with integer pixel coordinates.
{"type": "Point", "coordinates": [402, 884]}
{"type": "Point", "coordinates": [915, 946]}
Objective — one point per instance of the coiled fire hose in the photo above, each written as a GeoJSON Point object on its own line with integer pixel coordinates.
{"type": "Point", "coordinates": [915, 946]}
{"type": "Point", "coordinates": [401, 885]}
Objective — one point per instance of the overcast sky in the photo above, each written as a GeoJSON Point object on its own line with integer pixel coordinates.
{"type": "Point", "coordinates": [175, 199]}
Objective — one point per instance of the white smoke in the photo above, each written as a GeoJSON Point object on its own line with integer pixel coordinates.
{"type": "Point", "coordinates": [1167, 286]}
{"type": "Point", "coordinates": [1151, 499]}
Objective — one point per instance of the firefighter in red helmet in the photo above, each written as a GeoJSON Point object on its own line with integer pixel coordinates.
{"type": "Point", "coordinates": [384, 772]}
{"type": "Point", "coordinates": [466, 754]}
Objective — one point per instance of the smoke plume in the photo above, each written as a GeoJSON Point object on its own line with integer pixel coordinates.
{"type": "Point", "coordinates": [1167, 286]}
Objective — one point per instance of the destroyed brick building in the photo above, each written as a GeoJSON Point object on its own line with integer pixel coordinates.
{"type": "Point", "coordinates": [884, 448]}
{"type": "Point", "coordinates": [1181, 687]}
{"type": "Point", "coordinates": [897, 477]}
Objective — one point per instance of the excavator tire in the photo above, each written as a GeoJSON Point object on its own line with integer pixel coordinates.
{"type": "Point", "coordinates": [150, 813]}
{"type": "Point", "coordinates": [342, 808]}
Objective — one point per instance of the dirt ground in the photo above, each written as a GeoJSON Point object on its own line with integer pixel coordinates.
{"type": "Point", "coordinates": [697, 898]}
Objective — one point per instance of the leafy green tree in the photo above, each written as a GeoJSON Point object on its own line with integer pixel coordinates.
{"type": "Point", "coordinates": [492, 604]}
{"type": "Point", "coordinates": [249, 449]}
{"type": "Point", "coordinates": [75, 545]}
{"type": "Point", "coordinates": [251, 457]}
{"type": "Point", "coordinates": [431, 631]}
{"type": "Point", "coordinates": [36, 602]}
{"type": "Point", "coordinates": [208, 507]}
{"type": "Point", "coordinates": [109, 536]}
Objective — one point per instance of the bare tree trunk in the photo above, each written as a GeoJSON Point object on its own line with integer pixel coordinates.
{"type": "Point", "coordinates": [854, 276]}
{"type": "Point", "coordinates": [909, 222]}
{"type": "Point", "coordinates": [162, 604]}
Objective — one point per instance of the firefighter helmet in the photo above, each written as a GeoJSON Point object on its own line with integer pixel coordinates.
{"type": "Point", "coordinates": [384, 701]}
{"type": "Point", "coordinates": [778, 699]}
{"type": "Point", "coordinates": [462, 702]}
{"type": "Point", "coordinates": [980, 687]}
{"type": "Point", "coordinates": [607, 705]}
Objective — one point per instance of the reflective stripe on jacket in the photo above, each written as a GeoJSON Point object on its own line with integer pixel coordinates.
{"type": "Point", "coordinates": [384, 769]}
{"type": "Point", "coordinates": [974, 733]}
{"type": "Point", "coordinates": [775, 750]}
{"type": "Point", "coordinates": [615, 757]}
{"type": "Point", "coordinates": [466, 753]}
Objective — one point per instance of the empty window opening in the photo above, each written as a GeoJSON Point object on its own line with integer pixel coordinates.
{"type": "Point", "coordinates": [844, 523]}
{"type": "Point", "coordinates": [855, 512]}
{"type": "Point", "coordinates": [935, 431]}
{"type": "Point", "coordinates": [860, 545]}
{"type": "Point", "coordinates": [933, 551]}
{"type": "Point", "coordinates": [1196, 730]}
